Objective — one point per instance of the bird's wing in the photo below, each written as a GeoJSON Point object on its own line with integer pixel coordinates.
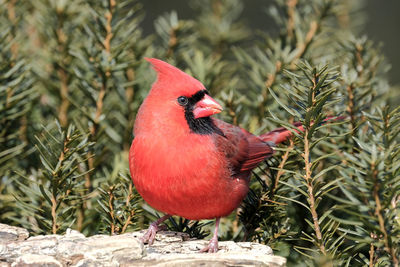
{"type": "Point", "coordinates": [243, 150]}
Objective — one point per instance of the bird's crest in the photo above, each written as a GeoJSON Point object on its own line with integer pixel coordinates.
{"type": "Point", "coordinates": [163, 68]}
{"type": "Point", "coordinates": [183, 83]}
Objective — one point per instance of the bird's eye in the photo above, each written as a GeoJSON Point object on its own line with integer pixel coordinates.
{"type": "Point", "coordinates": [183, 100]}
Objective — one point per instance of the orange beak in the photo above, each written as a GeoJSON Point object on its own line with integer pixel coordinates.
{"type": "Point", "coordinates": [206, 107]}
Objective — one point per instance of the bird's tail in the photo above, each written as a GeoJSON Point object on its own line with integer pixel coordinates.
{"type": "Point", "coordinates": [281, 134]}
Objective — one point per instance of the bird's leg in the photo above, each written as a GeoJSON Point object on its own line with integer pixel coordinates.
{"type": "Point", "coordinates": [154, 227]}
{"type": "Point", "coordinates": [212, 246]}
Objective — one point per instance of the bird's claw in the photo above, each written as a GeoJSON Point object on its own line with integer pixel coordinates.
{"type": "Point", "coordinates": [151, 232]}
{"type": "Point", "coordinates": [212, 246]}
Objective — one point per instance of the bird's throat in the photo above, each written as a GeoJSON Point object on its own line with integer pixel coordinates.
{"type": "Point", "coordinates": [203, 126]}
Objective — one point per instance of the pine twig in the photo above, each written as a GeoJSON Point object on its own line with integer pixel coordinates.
{"type": "Point", "coordinates": [63, 110]}
{"type": "Point", "coordinates": [371, 253]}
{"type": "Point", "coordinates": [271, 77]}
{"type": "Point", "coordinates": [54, 202]}
{"type": "Point", "coordinates": [351, 103]}
{"type": "Point", "coordinates": [111, 207]}
{"type": "Point", "coordinates": [128, 221]}
{"type": "Point", "coordinates": [291, 5]}
{"type": "Point", "coordinates": [132, 212]}
{"type": "Point", "coordinates": [302, 47]}
{"type": "Point", "coordinates": [102, 92]}
{"type": "Point", "coordinates": [281, 171]}
{"type": "Point", "coordinates": [378, 213]}
{"type": "Point", "coordinates": [62, 74]}
{"type": "Point", "coordinates": [310, 190]}
{"type": "Point", "coordinates": [172, 42]}
{"type": "Point", "coordinates": [54, 214]}
{"type": "Point", "coordinates": [109, 35]}
{"type": "Point", "coordinates": [12, 17]}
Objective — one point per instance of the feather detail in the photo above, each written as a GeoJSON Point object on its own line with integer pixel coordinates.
{"type": "Point", "coordinates": [243, 150]}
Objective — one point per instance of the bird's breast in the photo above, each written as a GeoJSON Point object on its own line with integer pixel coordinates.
{"type": "Point", "coordinates": [188, 177]}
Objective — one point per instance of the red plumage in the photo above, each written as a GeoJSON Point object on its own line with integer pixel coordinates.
{"type": "Point", "coordinates": [185, 163]}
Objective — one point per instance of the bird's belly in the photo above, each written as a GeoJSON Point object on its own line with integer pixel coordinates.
{"type": "Point", "coordinates": [215, 197]}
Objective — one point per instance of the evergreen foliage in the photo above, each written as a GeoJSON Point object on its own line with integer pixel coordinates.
{"type": "Point", "coordinates": [72, 77]}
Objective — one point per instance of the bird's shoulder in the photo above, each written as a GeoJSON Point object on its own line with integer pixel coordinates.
{"type": "Point", "coordinates": [243, 150]}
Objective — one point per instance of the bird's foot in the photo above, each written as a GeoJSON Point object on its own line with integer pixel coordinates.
{"type": "Point", "coordinates": [151, 232]}
{"type": "Point", "coordinates": [212, 246]}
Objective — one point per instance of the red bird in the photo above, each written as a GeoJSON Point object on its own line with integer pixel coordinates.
{"type": "Point", "coordinates": [184, 162]}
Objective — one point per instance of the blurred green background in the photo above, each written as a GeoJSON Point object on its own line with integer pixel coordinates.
{"type": "Point", "coordinates": [381, 22]}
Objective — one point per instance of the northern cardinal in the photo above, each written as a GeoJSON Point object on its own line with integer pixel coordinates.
{"type": "Point", "coordinates": [184, 162]}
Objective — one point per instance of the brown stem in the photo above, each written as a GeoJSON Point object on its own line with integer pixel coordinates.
{"type": "Point", "coordinates": [172, 42]}
{"type": "Point", "coordinates": [371, 253]}
{"type": "Point", "coordinates": [128, 221]}
{"type": "Point", "coordinates": [378, 213]}
{"type": "Point", "coordinates": [309, 180]}
{"type": "Point", "coordinates": [302, 47]}
{"type": "Point", "coordinates": [109, 35]}
{"type": "Point", "coordinates": [53, 197]}
{"type": "Point", "coordinates": [217, 9]}
{"type": "Point", "coordinates": [65, 149]}
{"type": "Point", "coordinates": [129, 197]}
{"type": "Point", "coordinates": [11, 10]}
{"type": "Point", "coordinates": [9, 94]}
{"type": "Point", "coordinates": [272, 76]}
{"type": "Point", "coordinates": [132, 212]}
{"type": "Point", "coordinates": [291, 5]}
{"type": "Point", "coordinates": [12, 18]}
{"type": "Point", "coordinates": [310, 189]}
{"type": "Point", "coordinates": [99, 108]}
{"type": "Point", "coordinates": [54, 214]}
{"type": "Point", "coordinates": [102, 93]}
{"type": "Point", "coordinates": [100, 102]}
{"type": "Point", "coordinates": [360, 61]}
{"type": "Point", "coordinates": [23, 129]}
{"type": "Point", "coordinates": [107, 47]}
{"type": "Point", "coordinates": [111, 212]}
{"type": "Point", "coordinates": [62, 48]}
{"type": "Point", "coordinates": [63, 110]}
{"type": "Point", "coordinates": [314, 81]}
{"type": "Point", "coordinates": [352, 101]}
{"type": "Point", "coordinates": [88, 182]}
{"type": "Point", "coordinates": [350, 88]}
{"type": "Point", "coordinates": [80, 216]}
{"type": "Point", "coordinates": [281, 171]}
{"type": "Point", "coordinates": [344, 16]}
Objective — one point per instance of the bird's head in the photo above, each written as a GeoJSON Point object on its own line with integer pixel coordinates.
{"type": "Point", "coordinates": [176, 93]}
